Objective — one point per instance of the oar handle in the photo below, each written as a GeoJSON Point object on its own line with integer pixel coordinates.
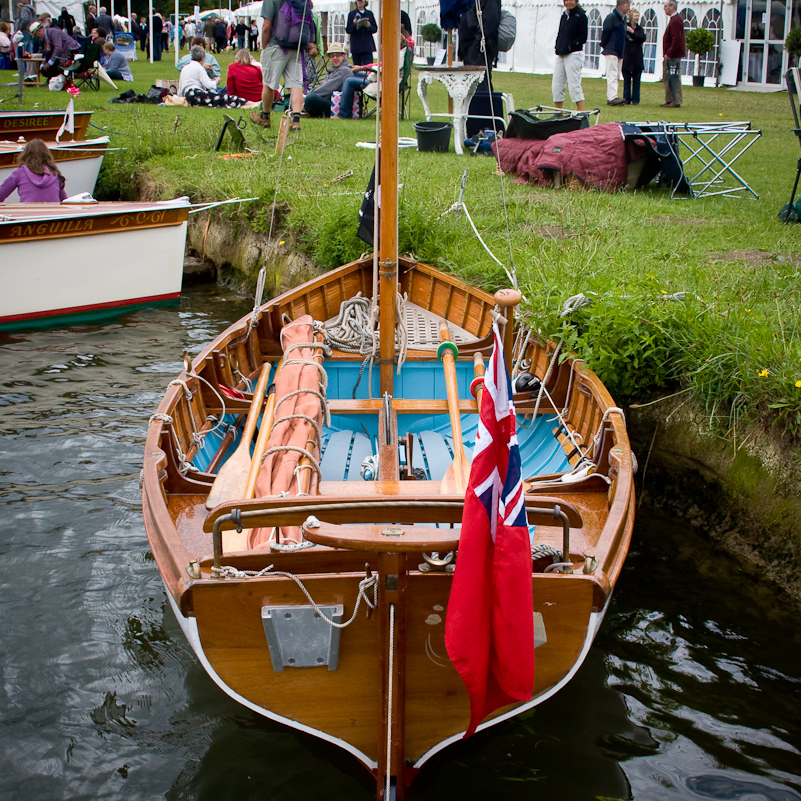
{"type": "Point", "coordinates": [507, 300]}
{"type": "Point", "coordinates": [256, 402]}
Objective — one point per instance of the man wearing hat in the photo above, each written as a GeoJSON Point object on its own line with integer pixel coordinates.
{"type": "Point", "coordinates": [59, 47]}
{"type": "Point", "coordinates": [318, 102]}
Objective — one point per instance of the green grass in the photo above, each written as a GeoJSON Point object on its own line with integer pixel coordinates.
{"type": "Point", "coordinates": [732, 342]}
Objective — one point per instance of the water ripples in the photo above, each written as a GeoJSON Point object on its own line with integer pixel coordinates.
{"type": "Point", "coordinates": [691, 693]}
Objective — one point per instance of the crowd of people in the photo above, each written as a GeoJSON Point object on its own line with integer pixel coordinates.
{"type": "Point", "coordinates": [622, 40]}
{"type": "Point", "coordinates": [290, 68]}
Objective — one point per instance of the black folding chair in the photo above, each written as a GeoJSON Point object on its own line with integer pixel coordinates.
{"type": "Point", "coordinates": [793, 80]}
{"type": "Point", "coordinates": [83, 71]}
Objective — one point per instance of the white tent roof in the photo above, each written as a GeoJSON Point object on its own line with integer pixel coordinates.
{"type": "Point", "coordinates": [53, 7]}
{"type": "Point", "coordinates": [249, 10]}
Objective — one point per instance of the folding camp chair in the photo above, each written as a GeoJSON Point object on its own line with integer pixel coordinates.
{"type": "Point", "coordinates": [370, 91]}
{"type": "Point", "coordinates": [793, 80]}
{"type": "Point", "coordinates": [84, 72]}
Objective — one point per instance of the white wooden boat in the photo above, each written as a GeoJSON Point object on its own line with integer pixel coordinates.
{"type": "Point", "coordinates": [40, 124]}
{"type": "Point", "coordinates": [79, 162]}
{"type": "Point", "coordinates": [62, 260]}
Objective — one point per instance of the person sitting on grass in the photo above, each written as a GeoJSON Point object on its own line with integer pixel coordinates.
{"type": "Point", "coordinates": [209, 61]}
{"type": "Point", "coordinates": [115, 63]}
{"type": "Point", "coordinates": [318, 102]}
{"type": "Point", "coordinates": [201, 90]}
{"type": "Point", "coordinates": [36, 179]}
{"type": "Point", "coordinates": [244, 77]}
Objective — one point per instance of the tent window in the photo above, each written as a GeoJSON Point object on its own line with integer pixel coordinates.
{"type": "Point", "coordinates": [592, 50]}
{"type": "Point", "coordinates": [651, 27]}
{"type": "Point", "coordinates": [709, 61]}
{"type": "Point", "coordinates": [690, 22]}
{"type": "Point", "coordinates": [420, 47]}
{"type": "Point", "coordinates": [336, 28]}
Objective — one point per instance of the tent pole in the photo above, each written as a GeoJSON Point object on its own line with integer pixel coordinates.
{"type": "Point", "coordinates": [130, 28]}
{"type": "Point", "coordinates": [175, 38]}
{"type": "Point", "coordinates": [150, 29]}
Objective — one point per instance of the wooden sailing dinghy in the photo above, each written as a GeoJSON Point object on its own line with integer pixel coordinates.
{"type": "Point", "coordinates": [314, 584]}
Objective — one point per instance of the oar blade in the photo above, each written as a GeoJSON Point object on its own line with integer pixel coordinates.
{"type": "Point", "coordinates": [230, 482]}
{"type": "Point", "coordinates": [454, 482]}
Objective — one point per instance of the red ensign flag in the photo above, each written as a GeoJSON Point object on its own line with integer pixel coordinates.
{"type": "Point", "coordinates": [489, 631]}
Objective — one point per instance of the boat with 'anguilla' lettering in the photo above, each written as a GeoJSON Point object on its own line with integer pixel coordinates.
{"type": "Point", "coordinates": [62, 261]}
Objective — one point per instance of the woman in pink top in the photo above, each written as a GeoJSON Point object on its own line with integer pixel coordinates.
{"type": "Point", "coordinates": [244, 77]}
{"type": "Point", "coordinates": [37, 179]}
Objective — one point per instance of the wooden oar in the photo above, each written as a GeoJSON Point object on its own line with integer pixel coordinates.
{"type": "Point", "coordinates": [230, 481]}
{"type": "Point", "coordinates": [455, 479]}
{"type": "Point", "coordinates": [261, 441]}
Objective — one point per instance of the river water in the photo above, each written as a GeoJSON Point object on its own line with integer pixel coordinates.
{"type": "Point", "coordinates": [693, 690]}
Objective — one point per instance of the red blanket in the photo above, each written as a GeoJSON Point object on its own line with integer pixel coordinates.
{"type": "Point", "coordinates": [597, 156]}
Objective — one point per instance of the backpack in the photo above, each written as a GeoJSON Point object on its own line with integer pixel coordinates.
{"type": "Point", "coordinates": [294, 26]}
{"type": "Point", "coordinates": [507, 31]}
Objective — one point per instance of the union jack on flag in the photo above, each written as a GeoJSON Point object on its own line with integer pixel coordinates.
{"type": "Point", "coordinates": [489, 631]}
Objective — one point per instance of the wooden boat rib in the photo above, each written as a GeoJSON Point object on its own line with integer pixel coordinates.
{"type": "Point", "coordinates": [87, 258]}
{"type": "Point", "coordinates": [79, 162]}
{"type": "Point", "coordinates": [40, 124]}
{"type": "Point", "coordinates": [395, 528]}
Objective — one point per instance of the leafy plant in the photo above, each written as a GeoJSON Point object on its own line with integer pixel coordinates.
{"type": "Point", "coordinates": [431, 32]}
{"type": "Point", "coordinates": [700, 41]}
{"type": "Point", "coordinates": [792, 44]}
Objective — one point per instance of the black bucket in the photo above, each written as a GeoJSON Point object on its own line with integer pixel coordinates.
{"type": "Point", "coordinates": [433, 137]}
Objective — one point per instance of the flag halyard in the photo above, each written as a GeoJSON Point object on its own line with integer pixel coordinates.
{"type": "Point", "coordinates": [489, 630]}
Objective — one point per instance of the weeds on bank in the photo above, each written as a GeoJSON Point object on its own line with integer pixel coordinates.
{"type": "Point", "coordinates": [731, 340]}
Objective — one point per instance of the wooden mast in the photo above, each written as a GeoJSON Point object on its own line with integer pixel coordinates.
{"type": "Point", "coordinates": [392, 566]}
{"type": "Point", "coordinates": [388, 197]}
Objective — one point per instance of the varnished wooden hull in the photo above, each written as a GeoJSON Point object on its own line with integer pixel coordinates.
{"type": "Point", "coordinates": [348, 705]}
{"type": "Point", "coordinates": [40, 125]}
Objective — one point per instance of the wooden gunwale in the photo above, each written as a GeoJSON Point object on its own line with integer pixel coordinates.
{"type": "Point", "coordinates": [27, 222]}
{"type": "Point", "coordinates": [66, 151]}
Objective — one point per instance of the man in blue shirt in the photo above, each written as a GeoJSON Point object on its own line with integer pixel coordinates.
{"type": "Point", "coordinates": [613, 40]}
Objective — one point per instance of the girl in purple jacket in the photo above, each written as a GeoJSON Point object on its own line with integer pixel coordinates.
{"type": "Point", "coordinates": [37, 179]}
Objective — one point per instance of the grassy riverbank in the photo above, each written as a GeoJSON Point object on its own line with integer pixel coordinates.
{"type": "Point", "coordinates": [731, 342]}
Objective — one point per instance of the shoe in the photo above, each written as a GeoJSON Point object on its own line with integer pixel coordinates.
{"type": "Point", "coordinates": [259, 118]}
{"type": "Point", "coordinates": [618, 101]}
{"type": "Point", "coordinates": [295, 126]}
{"type": "Point", "coordinates": [667, 105]}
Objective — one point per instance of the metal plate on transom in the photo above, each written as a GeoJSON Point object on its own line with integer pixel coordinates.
{"type": "Point", "coordinates": [298, 637]}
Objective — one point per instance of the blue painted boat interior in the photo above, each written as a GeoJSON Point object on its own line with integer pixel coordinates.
{"type": "Point", "coordinates": [352, 438]}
